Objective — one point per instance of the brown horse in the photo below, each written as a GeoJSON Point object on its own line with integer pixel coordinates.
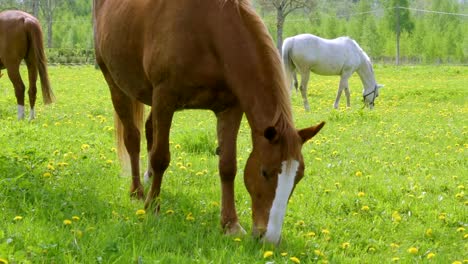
{"type": "Point", "coordinates": [21, 38]}
{"type": "Point", "coordinates": [205, 54]}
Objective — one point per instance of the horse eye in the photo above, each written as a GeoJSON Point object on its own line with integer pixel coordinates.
{"type": "Point", "coordinates": [264, 174]}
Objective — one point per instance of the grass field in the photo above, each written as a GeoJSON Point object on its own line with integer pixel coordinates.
{"type": "Point", "coordinates": [381, 186]}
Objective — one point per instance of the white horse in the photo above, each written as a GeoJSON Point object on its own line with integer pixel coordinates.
{"type": "Point", "coordinates": [341, 56]}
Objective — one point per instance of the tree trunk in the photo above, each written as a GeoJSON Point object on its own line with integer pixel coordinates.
{"type": "Point", "coordinates": [49, 31]}
{"type": "Point", "coordinates": [279, 29]}
{"type": "Point", "coordinates": [35, 8]}
{"type": "Point", "coordinates": [397, 59]}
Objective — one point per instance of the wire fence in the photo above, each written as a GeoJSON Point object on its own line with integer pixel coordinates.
{"type": "Point", "coordinates": [68, 35]}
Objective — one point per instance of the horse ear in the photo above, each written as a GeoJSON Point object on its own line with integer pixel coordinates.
{"type": "Point", "coordinates": [271, 134]}
{"type": "Point", "coordinates": [308, 133]}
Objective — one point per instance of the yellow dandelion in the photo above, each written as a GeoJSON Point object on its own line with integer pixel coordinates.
{"type": "Point", "coordinates": [84, 147]}
{"type": "Point", "coordinates": [295, 260]}
{"type": "Point", "coordinates": [214, 204]}
{"type": "Point", "coordinates": [140, 212]}
{"type": "Point", "coordinates": [371, 249]}
{"type": "Point", "coordinates": [361, 194]}
{"type": "Point", "coordinates": [3, 261]}
{"type": "Point", "coordinates": [429, 232]}
{"type": "Point", "coordinates": [358, 174]}
{"type": "Point", "coordinates": [67, 222]}
{"type": "Point", "coordinates": [177, 146]}
{"type": "Point", "coordinates": [395, 259]}
{"type": "Point", "coordinates": [310, 234]}
{"type": "Point", "coordinates": [190, 217]}
{"type": "Point", "coordinates": [365, 208]}
{"type": "Point", "coordinates": [396, 216]}
{"type": "Point", "coordinates": [237, 239]}
{"type": "Point", "coordinates": [75, 218]}
{"type": "Point", "coordinates": [318, 252]}
{"type": "Point", "coordinates": [18, 218]}
{"type": "Point", "coordinates": [325, 231]}
{"type": "Point", "coordinates": [77, 233]}
{"type": "Point", "coordinates": [457, 262]}
{"type": "Point", "coordinates": [460, 195]}
{"type": "Point", "coordinates": [413, 250]}
{"type": "Point", "coordinates": [284, 254]}
{"type": "Point", "coordinates": [199, 173]}
{"type": "Point", "coordinates": [394, 246]}
{"type": "Point", "coordinates": [442, 216]}
{"type": "Point", "coordinates": [50, 167]}
{"type": "Point", "coordinates": [300, 223]}
{"type": "Point", "coordinates": [46, 175]}
{"type": "Point", "coordinates": [430, 255]}
{"type": "Point", "coordinates": [170, 211]}
{"type": "Point", "coordinates": [182, 168]}
{"type": "Point", "coordinates": [267, 254]}
{"type": "Point", "coordinates": [345, 245]}
{"type": "Point", "coordinates": [461, 229]}
{"type": "Point", "coordinates": [465, 236]}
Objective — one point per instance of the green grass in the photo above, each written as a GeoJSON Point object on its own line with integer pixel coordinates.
{"type": "Point", "coordinates": [377, 182]}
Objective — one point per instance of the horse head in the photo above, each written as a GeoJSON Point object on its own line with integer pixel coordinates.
{"type": "Point", "coordinates": [369, 95]}
{"type": "Point", "coordinates": [273, 169]}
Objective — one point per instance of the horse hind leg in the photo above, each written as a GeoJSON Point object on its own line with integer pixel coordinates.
{"type": "Point", "coordinates": [127, 119]}
{"type": "Point", "coordinates": [32, 92]}
{"type": "Point", "coordinates": [15, 77]}
{"type": "Point", "coordinates": [304, 83]}
{"type": "Point", "coordinates": [227, 129]}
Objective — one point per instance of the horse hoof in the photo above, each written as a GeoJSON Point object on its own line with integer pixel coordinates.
{"type": "Point", "coordinates": [234, 229]}
{"type": "Point", "coordinates": [137, 193]}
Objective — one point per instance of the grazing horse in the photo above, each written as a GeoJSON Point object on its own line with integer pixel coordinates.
{"type": "Point", "coordinates": [341, 56]}
{"type": "Point", "coordinates": [21, 38]}
{"type": "Point", "coordinates": [205, 54]}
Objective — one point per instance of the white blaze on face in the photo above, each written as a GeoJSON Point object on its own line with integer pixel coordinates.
{"type": "Point", "coordinates": [278, 208]}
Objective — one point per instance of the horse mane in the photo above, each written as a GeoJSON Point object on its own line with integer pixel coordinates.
{"type": "Point", "coordinates": [360, 49]}
{"type": "Point", "coordinates": [282, 120]}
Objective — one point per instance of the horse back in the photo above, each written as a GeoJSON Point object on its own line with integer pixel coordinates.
{"type": "Point", "coordinates": [325, 56]}
{"type": "Point", "coordinates": [148, 43]}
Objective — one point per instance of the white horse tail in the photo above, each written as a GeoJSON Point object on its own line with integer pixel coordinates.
{"type": "Point", "coordinates": [288, 64]}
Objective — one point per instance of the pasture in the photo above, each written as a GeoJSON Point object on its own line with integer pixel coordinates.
{"type": "Point", "coordinates": [381, 186]}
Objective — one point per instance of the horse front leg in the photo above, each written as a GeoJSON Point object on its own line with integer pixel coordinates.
{"type": "Point", "coordinates": [304, 82]}
{"type": "Point", "coordinates": [149, 144]}
{"type": "Point", "coordinates": [227, 130]}
{"type": "Point", "coordinates": [343, 86]}
{"type": "Point", "coordinates": [160, 156]}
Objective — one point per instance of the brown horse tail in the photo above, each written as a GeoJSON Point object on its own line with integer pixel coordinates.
{"type": "Point", "coordinates": [137, 111]}
{"type": "Point", "coordinates": [36, 42]}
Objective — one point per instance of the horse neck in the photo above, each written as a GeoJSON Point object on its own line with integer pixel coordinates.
{"type": "Point", "coordinates": [366, 74]}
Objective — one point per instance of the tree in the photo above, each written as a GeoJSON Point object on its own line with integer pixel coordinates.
{"type": "Point", "coordinates": [398, 19]}
{"type": "Point", "coordinates": [283, 8]}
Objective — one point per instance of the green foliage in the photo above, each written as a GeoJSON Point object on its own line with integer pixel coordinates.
{"type": "Point", "coordinates": [380, 186]}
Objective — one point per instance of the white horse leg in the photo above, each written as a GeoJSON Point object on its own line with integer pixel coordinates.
{"type": "Point", "coordinates": [343, 86]}
{"type": "Point", "coordinates": [346, 90]}
{"type": "Point", "coordinates": [304, 80]}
